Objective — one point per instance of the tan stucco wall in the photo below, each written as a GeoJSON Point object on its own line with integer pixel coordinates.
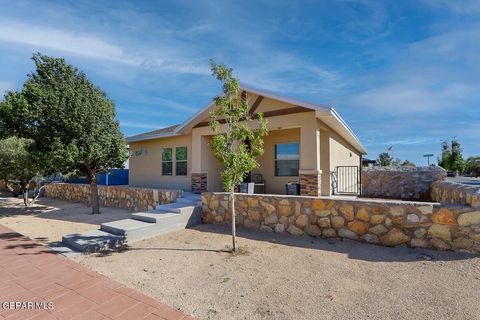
{"type": "Point", "coordinates": [325, 162]}
{"type": "Point", "coordinates": [146, 170]}
{"type": "Point", "coordinates": [211, 166]}
{"type": "Point", "coordinates": [334, 151]}
{"type": "Point", "coordinates": [274, 184]}
{"type": "Point", "coordinates": [342, 153]}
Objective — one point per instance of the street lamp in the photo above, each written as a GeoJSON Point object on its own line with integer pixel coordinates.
{"type": "Point", "coordinates": [428, 157]}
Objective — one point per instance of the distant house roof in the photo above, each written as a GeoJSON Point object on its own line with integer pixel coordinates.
{"type": "Point", "coordinates": [327, 114]}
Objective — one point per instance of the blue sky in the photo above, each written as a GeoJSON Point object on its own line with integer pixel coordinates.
{"type": "Point", "coordinates": [401, 73]}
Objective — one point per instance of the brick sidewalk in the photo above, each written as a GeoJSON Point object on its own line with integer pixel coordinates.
{"type": "Point", "coordinates": [30, 272]}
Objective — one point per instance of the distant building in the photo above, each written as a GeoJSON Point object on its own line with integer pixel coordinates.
{"type": "Point", "coordinates": [368, 163]}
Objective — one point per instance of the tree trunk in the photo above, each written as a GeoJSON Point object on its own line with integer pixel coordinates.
{"type": "Point", "coordinates": [36, 195]}
{"type": "Point", "coordinates": [94, 191]}
{"type": "Point", "coordinates": [234, 233]}
{"type": "Point", "coordinates": [24, 188]}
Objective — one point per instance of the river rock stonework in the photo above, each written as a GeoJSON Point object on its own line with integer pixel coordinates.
{"type": "Point", "coordinates": [383, 222]}
{"type": "Point", "coordinates": [408, 183]}
{"type": "Point", "coordinates": [455, 193]}
{"type": "Point", "coordinates": [134, 199]}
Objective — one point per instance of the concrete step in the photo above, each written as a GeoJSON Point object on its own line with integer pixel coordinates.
{"type": "Point", "coordinates": [175, 207]}
{"type": "Point", "coordinates": [63, 249]}
{"type": "Point", "coordinates": [191, 195]}
{"type": "Point", "coordinates": [121, 227]}
{"type": "Point", "coordinates": [131, 229]}
{"type": "Point", "coordinates": [190, 201]}
{"type": "Point", "coordinates": [182, 220]}
{"type": "Point", "coordinates": [93, 241]}
{"type": "Point", "coordinates": [167, 222]}
{"type": "Point", "coordinates": [156, 217]}
{"type": "Point", "coordinates": [135, 230]}
{"type": "Point", "coordinates": [190, 218]}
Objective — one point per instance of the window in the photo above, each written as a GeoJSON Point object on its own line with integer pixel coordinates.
{"type": "Point", "coordinates": [287, 157]}
{"type": "Point", "coordinates": [181, 161]}
{"type": "Point", "coordinates": [167, 165]}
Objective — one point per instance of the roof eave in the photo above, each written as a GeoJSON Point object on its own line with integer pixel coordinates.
{"type": "Point", "coordinates": [348, 133]}
{"type": "Point", "coordinates": [151, 137]}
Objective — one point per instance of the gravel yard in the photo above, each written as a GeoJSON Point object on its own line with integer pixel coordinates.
{"type": "Point", "coordinates": [280, 277]}
{"type": "Point", "coordinates": [49, 219]}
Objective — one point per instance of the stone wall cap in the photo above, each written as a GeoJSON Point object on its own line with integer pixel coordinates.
{"type": "Point", "coordinates": [115, 186]}
{"type": "Point", "coordinates": [334, 198]}
{"type": "Point", "coordinates": [405, 168]}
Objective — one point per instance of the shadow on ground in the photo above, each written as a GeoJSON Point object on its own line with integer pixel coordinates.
{"type": "Point", "coordinates": [353, 249]}
{"type": "Point", "coordinates": [58, 210]}
{"type": "Point", "coordinates": [20, 244]}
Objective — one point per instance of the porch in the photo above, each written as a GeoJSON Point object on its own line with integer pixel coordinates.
{"type": "Point", "coordinates": [299, 153]}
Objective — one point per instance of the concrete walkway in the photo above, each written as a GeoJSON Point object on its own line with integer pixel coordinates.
{"type": "Point", "coordinates": [30, 272]}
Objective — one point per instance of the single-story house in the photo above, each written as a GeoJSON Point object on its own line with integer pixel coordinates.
{"type": "Point", "coordinates": [307, 143]}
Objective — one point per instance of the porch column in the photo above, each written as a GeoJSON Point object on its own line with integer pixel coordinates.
{"type": "Point", "coordinates": [198, 176]}
{"type": "Point", "coordinates": [325, 163]}
{"type": "Point", "coordinates": [310, 173]}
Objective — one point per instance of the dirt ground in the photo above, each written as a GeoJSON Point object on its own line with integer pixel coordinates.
{"type": "Point", "coordinates": [280, 277]}
{"type": "Point", "coordinates": [274, 277]}
{"type": "Point", "coordinates": [49, 219]}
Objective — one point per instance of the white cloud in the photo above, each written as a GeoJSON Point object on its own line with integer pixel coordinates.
{"type": "Point", "coordinates": [161, 103]}
{"type": "Point", "coordinates": [92, 46]}
{"type": "Point", "coordinates": [456, 44]}
{"type": "Point", "coordinates": [140, 125]}
{"type": "Point", "coordinates": [159, 109]}
{"type": "Point", "coordinates": [456, 6]}
{"type": "Point", "coordinates": [406, 141]}
{"type": "Point", "coordinates": [285, 72]}
{"type": "Point", "coordinates": [413, 97]}
{"type": "Point", "coordinates": [432, 76]}
{"type": "Point", "coordinates": [51, 38]}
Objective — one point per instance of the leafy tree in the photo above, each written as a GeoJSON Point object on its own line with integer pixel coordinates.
{"type": "Point", "coordinates": [408, 163]}
{"type": "Point", "coordinates": [472, 166]}
{"type": "Point", "coordinates": [396, 162]}
{"type": "Point", "coordinates": [384, 159]}
{"type": "Point", "coordinates": [444, 161]}
{"type": "Point", "coordinates": [71, 122]}
{"type": "Point", "coordinates": [452, 158]}
{"type": "Point", "coordinates": [235, 145]}
{"type": "Point", "coordinates": [17, 166]}
{"type": "Point", "coordinates": [457, 162]}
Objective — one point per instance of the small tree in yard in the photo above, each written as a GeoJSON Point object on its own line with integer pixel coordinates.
{"type": "Point", "coordinates": [18, 168]}
{"type": "Point", "coordinates": [238, 145]}
{"type": "Point", "coordinates": [71, 122]}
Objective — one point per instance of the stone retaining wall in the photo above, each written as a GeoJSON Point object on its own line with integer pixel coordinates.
{"type": "Point", "coordinates": [135, 199]}
{"type": "Point", "coordinates": [408, 183]}
{"type": "Point", "coordinates": [455, 193]}
{"type": "Point", "coordinates": [384, 222]}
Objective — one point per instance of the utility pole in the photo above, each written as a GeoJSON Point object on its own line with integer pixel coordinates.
{"type": "Point", "coordinates": [428, 157]}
